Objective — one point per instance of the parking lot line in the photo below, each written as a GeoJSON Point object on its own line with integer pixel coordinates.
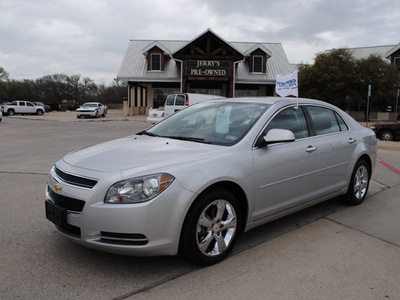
{"type": "Point", "coordinates": [388, 166]}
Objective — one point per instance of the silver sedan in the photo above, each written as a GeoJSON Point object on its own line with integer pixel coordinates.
{"type": "Point", "coordinates": [192, 183]}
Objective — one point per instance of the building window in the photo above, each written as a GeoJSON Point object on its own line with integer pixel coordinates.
{"type": "Point", "coordinates": [257, 64]}
{"type": "Point", "coordinates": [397, 62]}
{"type": "Point", "coordinates": [156, 62]}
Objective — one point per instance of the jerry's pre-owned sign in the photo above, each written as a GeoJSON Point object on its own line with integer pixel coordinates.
{"type": "Point", "coordinates": [208, 68]}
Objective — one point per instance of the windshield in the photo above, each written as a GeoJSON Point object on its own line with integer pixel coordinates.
{"type": "Point", "coordinates": [89, 105]}
{"type": "Point", "coordinates": [222, 123]}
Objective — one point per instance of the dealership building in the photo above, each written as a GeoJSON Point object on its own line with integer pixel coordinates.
{"type": "Point", "coordinates": [207, 64]}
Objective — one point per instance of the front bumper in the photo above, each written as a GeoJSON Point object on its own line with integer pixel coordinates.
{"type": "Point", "coordinates": [142, 229]}
{"type": "Point", "coordinates": [86, 113]}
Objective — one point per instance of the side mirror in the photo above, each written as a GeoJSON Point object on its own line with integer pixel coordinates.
{"type": "Point", "coordinates": [275, 136]}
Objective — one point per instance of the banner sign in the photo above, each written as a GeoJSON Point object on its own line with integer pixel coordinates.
{"type": "Point", "coordinates": [287, 85]}
{"type": "Point", "coordinates": [208, 68]}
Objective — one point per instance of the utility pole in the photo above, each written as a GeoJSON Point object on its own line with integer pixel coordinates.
{"type": "Point", "coordinates": [369, 95]}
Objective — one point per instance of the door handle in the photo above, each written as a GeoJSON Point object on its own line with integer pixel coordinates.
{"type": "Point", "coordinates": [311, 148]}
{"type": "Point", "coordinates": [351, 140]}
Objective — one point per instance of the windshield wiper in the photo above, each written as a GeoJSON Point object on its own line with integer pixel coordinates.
{"type": "Point", "coordinates": [190, 139]}
{"type": "Point", "coordinates": [144, 132]}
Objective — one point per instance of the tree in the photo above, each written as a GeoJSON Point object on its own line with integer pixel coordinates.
{"type": "Point", "coordinates": [330, 79]}
{"type": "Point", "coordinates": [382, 77]}
{"type": "Point", "coordinates": [338, 78]}
{"type": "Point", "coordinates": [3, 74]}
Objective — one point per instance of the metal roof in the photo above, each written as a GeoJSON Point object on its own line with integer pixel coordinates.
{"type": "Point", "coordinates": [365, 52]}
{"type": "Point", "coordinates": [134, 64]}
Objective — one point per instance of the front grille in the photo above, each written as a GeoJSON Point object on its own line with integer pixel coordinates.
{"type": "Point", "coordinates": [75, 180]}
{"type": "Point", "coordinates": [133, 239]}
{"type": "Point", "coordinates": [67, 202]}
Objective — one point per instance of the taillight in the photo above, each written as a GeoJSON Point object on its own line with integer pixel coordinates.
{"type": "Point", "coordinates": [187, 102]}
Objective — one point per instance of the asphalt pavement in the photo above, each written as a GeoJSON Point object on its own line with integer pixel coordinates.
{"type": "Point", "coordinates": [329, 251]}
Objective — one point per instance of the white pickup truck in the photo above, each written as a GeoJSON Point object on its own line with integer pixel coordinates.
{"type": "Point", "coordinates": [22, 107]}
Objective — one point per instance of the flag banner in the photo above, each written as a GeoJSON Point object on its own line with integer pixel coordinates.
{"type": "Point", "coordinates": [287, 85]}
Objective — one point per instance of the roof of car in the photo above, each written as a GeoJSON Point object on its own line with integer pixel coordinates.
{"type": "Point", "coordinates": [273, 100]}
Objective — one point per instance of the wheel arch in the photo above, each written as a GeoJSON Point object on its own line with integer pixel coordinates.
{"type": "Point", "coordinates": [367, 159]}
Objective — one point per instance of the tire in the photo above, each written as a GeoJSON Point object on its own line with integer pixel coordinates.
{"type": "Point", "coordinates": [359, 183]}
{"type": "Point", "coordinates": [39, 112]}
{"type": "Point", "coordinates": [386, 135]}
{"type": "Point", "coordinates": [10, 112]}
{"type": "Point", "coordinates": [97, 114]}
{"type": "Point", "coordinates": [211, 228]}
{"type": "Point", "coordinates": [78, 117]}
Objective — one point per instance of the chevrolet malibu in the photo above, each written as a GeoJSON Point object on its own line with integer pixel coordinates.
{"type": "Point", "coordinates": [192, 183]}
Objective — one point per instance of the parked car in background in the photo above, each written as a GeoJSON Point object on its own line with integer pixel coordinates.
{"type": "Point", "coordinates": [22, 107]}
{"type": "Point", "coordinates": [91, 109]}
{"type": "Point", "coordinates": [46, 107]}
{"type": "Point", "coordinates": [176, 102]}
{"type": "Point", "coordinates": [387, 131]}
{"type": "Point", "coordinates": [155, 115]}
{"type": "Point", "coordinates": [193, 182]}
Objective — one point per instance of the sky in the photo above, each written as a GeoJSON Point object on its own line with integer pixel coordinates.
{"type": "Point", "coordinates": [90, 37]}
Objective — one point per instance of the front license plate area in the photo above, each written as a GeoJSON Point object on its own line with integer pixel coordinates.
{"type": "Point", "coordinates": [56, 214]}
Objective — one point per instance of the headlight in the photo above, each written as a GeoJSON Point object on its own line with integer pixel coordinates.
{"type": "Point", "coordinates": [138, 189]}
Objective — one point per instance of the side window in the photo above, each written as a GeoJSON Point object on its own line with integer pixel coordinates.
{"type": "Point", "coordinates": [170, 100]}
{"type": "Point", "coordinates": [342, 124]}
{"type": "Point", "coordinates": [324, 120]}
{"type": "Point", "coordinates": [291, 119]}
{"type": "Point", "coordinates": [180, 100]}
{"type": "Point", "coordinates": [22, 104]}
{"type": "Point", "coordinates": [29, 104]}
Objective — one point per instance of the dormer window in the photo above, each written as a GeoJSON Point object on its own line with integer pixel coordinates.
{"type": "Point", "coordinates": [156, 62]}
{"type": "Point", "coordinates": [258, 64]}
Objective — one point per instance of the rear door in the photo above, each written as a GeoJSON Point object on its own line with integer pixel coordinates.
{"type": "Point", "coordinates": [335, 145]}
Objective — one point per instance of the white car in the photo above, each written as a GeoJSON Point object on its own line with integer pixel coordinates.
{"type": "Point", "coordinates": [91, 109]}
{"type": "Point", "coordinates": [193, 182]}
{"type": "Point", "coordinates": [155, 115]}
{"type": "Point", "coordinates": [1, 115]}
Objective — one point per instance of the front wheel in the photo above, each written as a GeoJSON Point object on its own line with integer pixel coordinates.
{"type": "Point", "coordinates": [39, 112]}
{"type": "Point", "coordinates": [211, 228]}
{"type": "Point", "coordinates": [359, 183]}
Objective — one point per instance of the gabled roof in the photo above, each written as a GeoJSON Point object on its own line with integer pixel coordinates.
{"type": "Point", "coordinates": [201, 35]}
{"type": "Point", "coordinates": [391, 51]}
{"type": "Point", "coordinates": [158, 45]}
{"type": "Point", "coordinates": [255, 47]}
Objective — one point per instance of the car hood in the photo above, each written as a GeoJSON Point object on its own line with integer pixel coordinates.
{"type": "Point", "coordinates": [150, 153]}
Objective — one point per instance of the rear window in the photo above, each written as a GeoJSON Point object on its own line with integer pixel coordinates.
{"type": "Point", "coordinates": [180, 100]}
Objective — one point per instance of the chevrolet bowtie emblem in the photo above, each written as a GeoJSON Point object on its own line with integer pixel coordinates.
{"type": "Point", "coordinates": [57, 187]}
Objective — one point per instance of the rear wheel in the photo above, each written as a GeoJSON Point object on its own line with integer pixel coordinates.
{"type": "Point", "coordinates": [211, 228]}
{"type": "Point", "coordinates": [386, 135]}
{"type": "Point", "coordinates": [10, 112]}
{"type": "Point", "coordinates": [359, 183]}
